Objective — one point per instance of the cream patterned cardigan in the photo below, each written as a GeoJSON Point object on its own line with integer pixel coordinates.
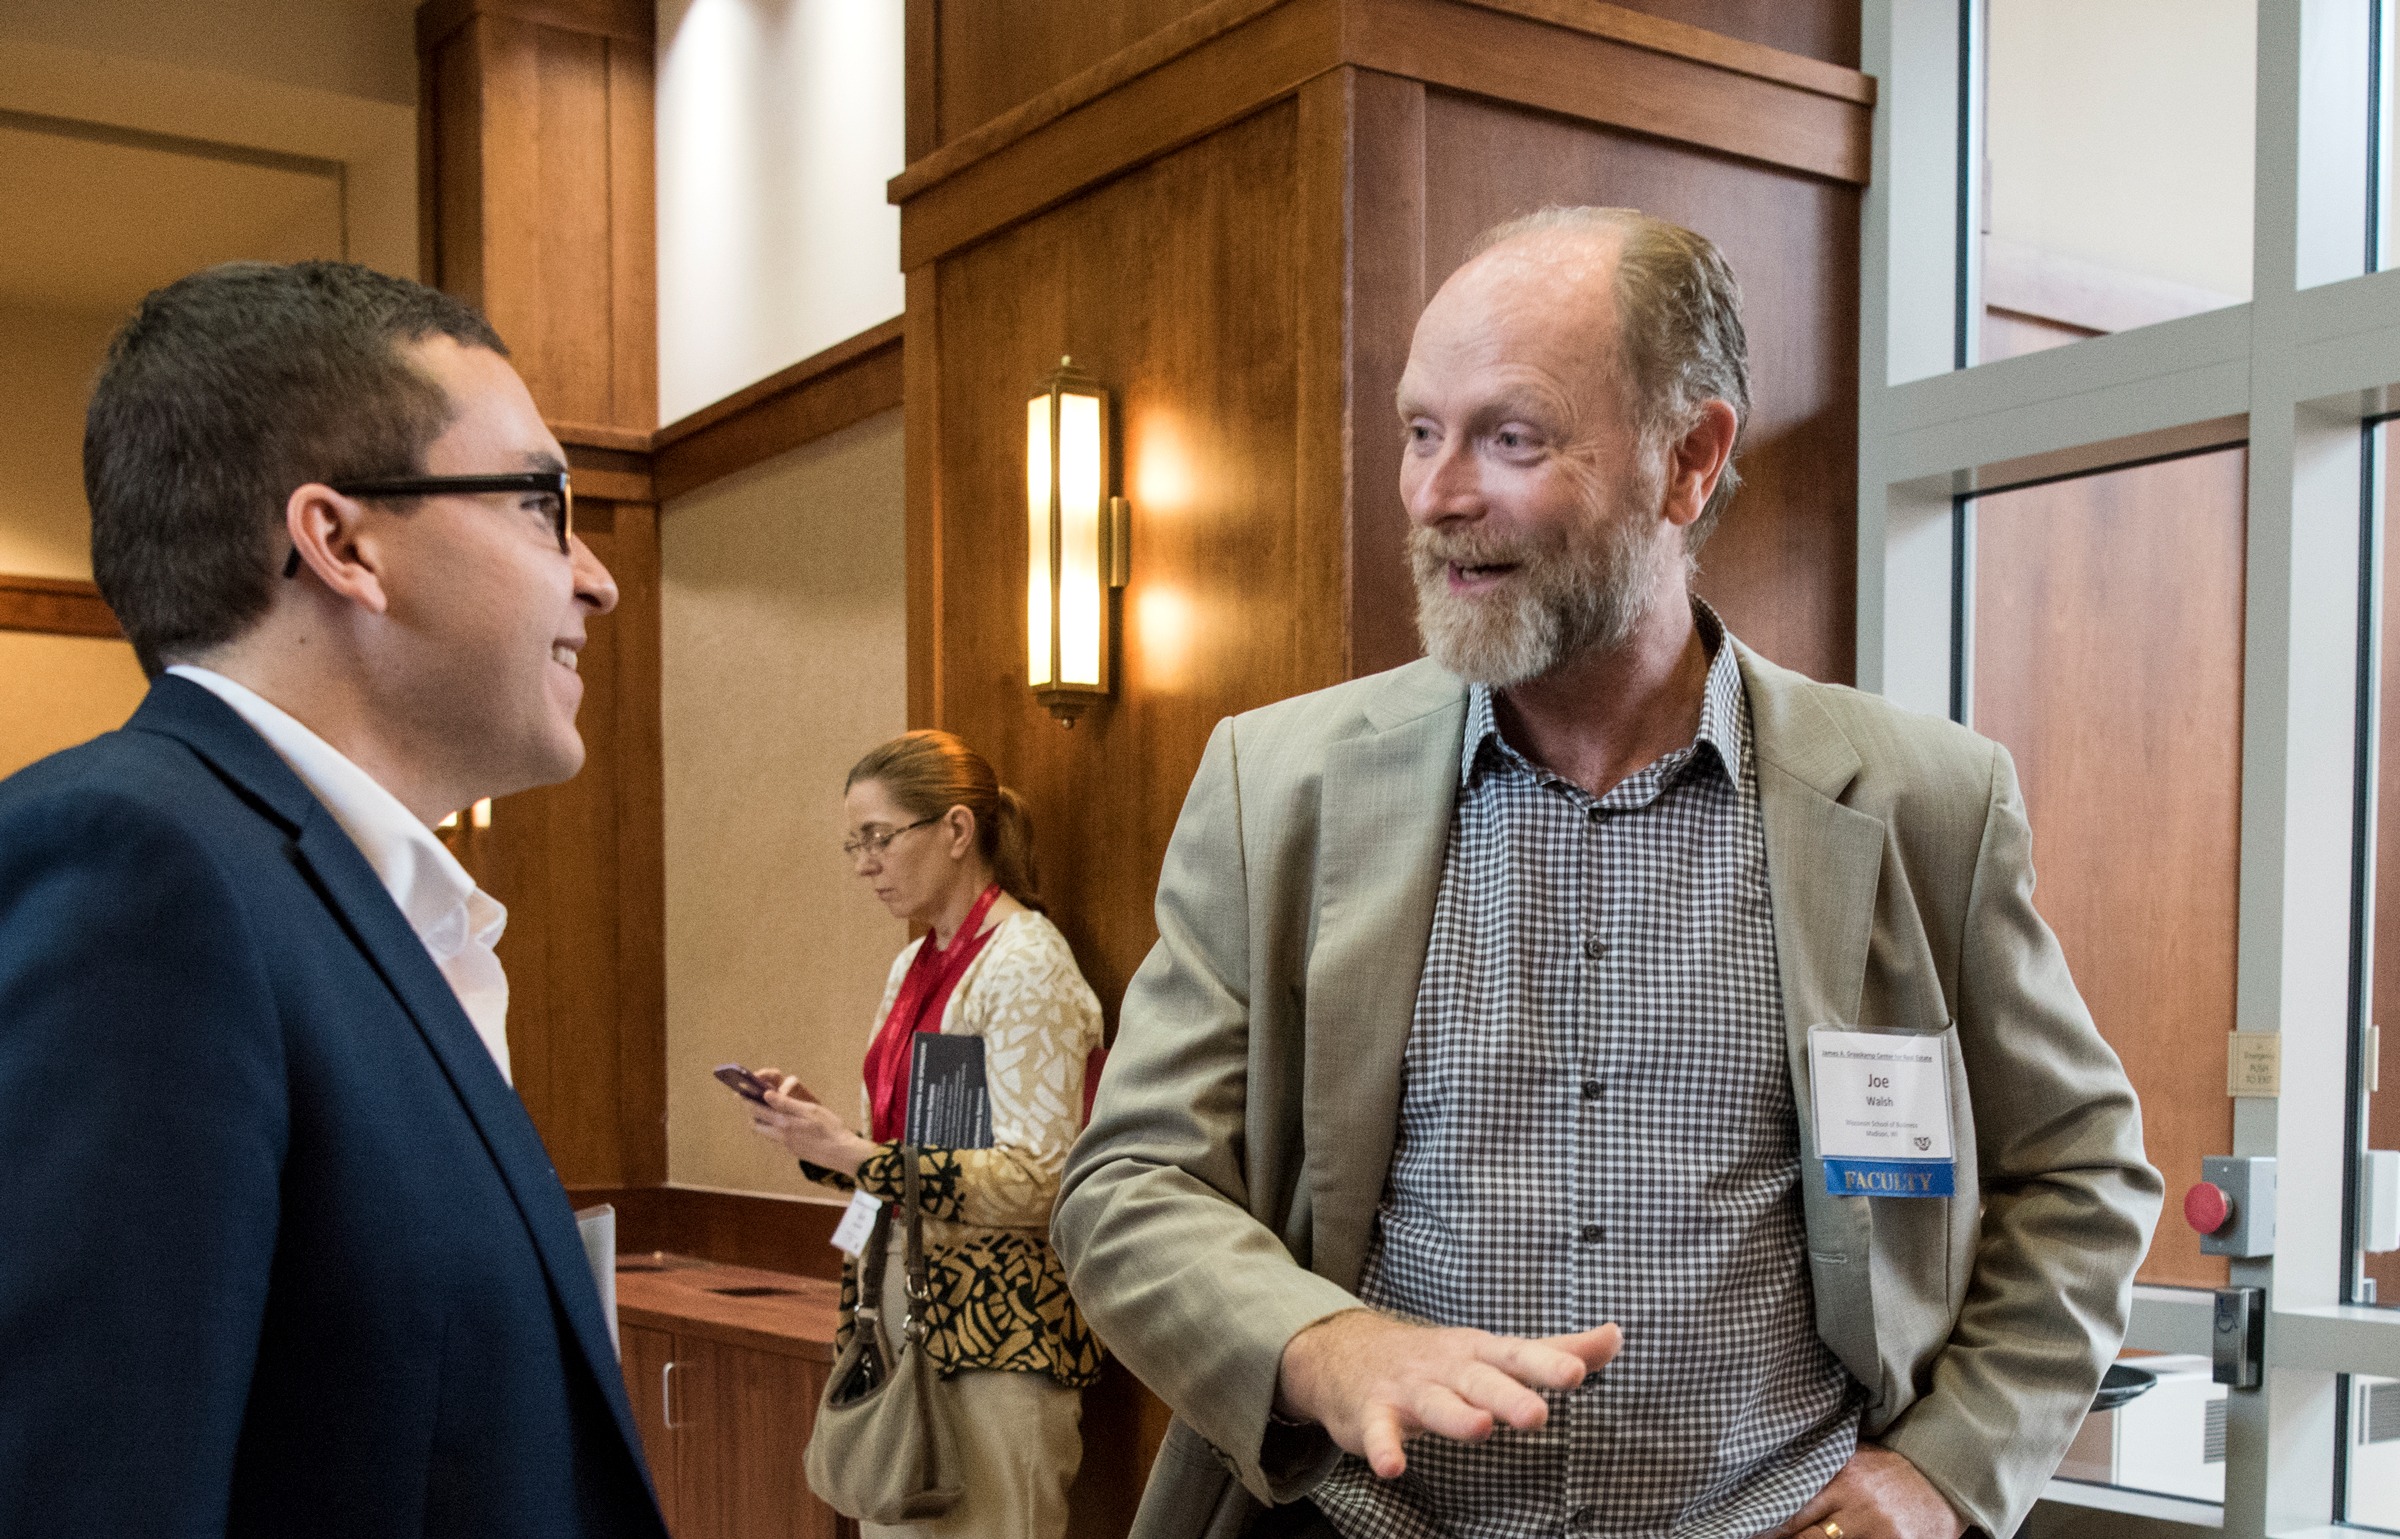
{"type": "Point", "coordinates": [999, 1294]}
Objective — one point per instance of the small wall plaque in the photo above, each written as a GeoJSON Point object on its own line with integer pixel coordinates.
{"type": "Point", "coordinates": [2254, 1063]}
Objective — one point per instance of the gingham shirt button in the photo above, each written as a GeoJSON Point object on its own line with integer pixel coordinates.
{"type": "Point", "coordinates": [1594, 947]}
{"type": "Point", "coordinates": [1591, 1090]}
{"type": "Point", "coordinates": [1589, 1234]}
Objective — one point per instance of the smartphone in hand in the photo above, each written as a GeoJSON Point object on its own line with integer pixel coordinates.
{"type": "Point", "coordinates": [742, 1082]}
{"type": "Point", "coordinates": [750, 1087]}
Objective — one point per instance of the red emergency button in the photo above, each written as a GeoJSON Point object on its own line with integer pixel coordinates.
{"type": "Point", "coordinates": [2206, 1207]}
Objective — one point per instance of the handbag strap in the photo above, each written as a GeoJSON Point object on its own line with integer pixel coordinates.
{"type": "Point", "coordinates": [870, 1272]}
{"type": "Point", "coordinates": [879, 1244]}
{"type": "Point", "coordinates": [913, 1200]}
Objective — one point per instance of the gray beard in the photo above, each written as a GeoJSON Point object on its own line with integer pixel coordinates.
{"type": "Point", "coordinates": [1588, 594]}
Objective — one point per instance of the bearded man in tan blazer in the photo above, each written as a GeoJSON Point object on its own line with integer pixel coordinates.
{"type": "Point", "coordinates": [1460, 1169]}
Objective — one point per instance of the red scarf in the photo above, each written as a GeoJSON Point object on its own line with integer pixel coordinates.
{"type": "Point", "coordinates": [924, 992]}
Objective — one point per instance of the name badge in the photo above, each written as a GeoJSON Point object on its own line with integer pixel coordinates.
{"type": "Point", "coordinates": [858, 1222]}
{"type": "Point", "coordinates": [1883, 1113]}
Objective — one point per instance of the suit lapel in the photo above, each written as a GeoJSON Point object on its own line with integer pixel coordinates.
{"type": "Point", "coordinates": [1383, 832]}
{"type": "Point", "coordinates": [366, 908]}
{"type": "Point", "coordinates": [1824, 871]}
{"type": "Point", "coordinates": [358, 897]}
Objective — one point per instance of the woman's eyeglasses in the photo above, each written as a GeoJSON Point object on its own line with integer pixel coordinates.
{"type": "Point", "coordinates": [876, 841]}
{"type": "Point", "coordinates": [552, 486]}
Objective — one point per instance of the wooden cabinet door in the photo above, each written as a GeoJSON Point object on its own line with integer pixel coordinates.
{"type": "Point", "coordinates": [649, 1355]}
{"type": "Point", "coordinates": [743, 1418]}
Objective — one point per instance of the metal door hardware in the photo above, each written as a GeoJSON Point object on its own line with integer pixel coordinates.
{"type": "Point", "coordinates": [2238, 1344]}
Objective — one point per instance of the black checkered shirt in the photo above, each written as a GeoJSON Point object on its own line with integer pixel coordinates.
{"type": "Point", "coordinates": [1597, 1124]}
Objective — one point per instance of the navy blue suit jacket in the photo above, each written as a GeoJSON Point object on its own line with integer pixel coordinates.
{"type": "Point", "coordinates": [280, 1252]}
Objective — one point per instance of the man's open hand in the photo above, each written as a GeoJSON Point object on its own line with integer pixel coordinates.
{"type": "Point", "coordinates": [1373, 1383]}
{"type": "Point", "coordinates": [1878, 1495]}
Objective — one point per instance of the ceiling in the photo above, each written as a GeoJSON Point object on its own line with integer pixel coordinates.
{"type": "Point", "coordinates": [99, 217]}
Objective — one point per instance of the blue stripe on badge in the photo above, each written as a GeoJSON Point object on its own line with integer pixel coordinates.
{"type": "Point", "coordinates": [1890, 1178]}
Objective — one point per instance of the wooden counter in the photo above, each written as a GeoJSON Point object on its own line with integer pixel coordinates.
{"type": "Point", "coordinates": [725, 1365]}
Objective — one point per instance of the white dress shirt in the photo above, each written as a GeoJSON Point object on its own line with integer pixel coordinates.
{"type": "Point", "coordinates": [459, 922]}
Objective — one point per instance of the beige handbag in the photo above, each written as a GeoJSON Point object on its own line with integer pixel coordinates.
{"type": "Point", "coordinates": [882, 1450]}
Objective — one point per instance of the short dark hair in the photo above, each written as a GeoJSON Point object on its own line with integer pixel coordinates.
{"type": "Point", "coordinates": [224, 392]}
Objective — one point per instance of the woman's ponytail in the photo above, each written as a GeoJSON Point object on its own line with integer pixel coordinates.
{"type": "Point", "coordinates": [1012, 851]}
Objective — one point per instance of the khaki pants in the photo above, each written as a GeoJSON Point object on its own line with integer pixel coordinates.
{"type": "Point", "coordinates": [1020, 1440]}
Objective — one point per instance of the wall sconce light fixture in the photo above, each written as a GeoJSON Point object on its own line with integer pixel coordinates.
{"type": "Point", "coordinates": [1078, 544]}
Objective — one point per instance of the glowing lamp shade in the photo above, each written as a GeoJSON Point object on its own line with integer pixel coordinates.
{"type": "Point", "coordinates": [1075, 542]}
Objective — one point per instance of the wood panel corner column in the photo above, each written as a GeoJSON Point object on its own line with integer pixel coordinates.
{"type": "Point", "coordinates": [1230, 212]}
{"type": "Point", "coordinates": [537, 179]}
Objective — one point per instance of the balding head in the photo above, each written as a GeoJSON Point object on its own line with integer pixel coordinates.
{"type": "Point", "coordinates": [1571, 402]}
{"type": "Point", "coordinates": [1659, 299]}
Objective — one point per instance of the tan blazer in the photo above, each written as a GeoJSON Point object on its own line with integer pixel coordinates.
{"type": "Point", "coordinates": [1225, 1193]}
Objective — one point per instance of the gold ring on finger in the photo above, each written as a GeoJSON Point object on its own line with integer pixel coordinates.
{"type": "Point", "coordinates": [1830, 1529]}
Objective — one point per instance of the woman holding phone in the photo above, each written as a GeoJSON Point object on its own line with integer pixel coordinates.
{"type": "Point", "coordinates": [946, 847]}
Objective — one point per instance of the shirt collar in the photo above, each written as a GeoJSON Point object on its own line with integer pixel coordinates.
{"type": "Point", "coordinates": [1723, 721]}
{"type": "Point", "coordinates": [434, 893]}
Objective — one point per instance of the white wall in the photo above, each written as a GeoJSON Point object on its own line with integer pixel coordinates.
{"type": "Point", "coordinates": [2120, 134]}
{"type": "Point", "coordinates": [784, 635]}
{"type": "Point", "coordinates": [779, 121]}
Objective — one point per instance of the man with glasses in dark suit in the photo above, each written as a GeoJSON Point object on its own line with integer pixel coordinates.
{"type": "Point", "coordinates": [284, 1253]}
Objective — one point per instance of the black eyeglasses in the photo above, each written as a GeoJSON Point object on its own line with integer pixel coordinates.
{"type": "Point", "coordinates": [553, 484]}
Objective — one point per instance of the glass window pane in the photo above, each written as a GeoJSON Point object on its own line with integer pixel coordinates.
{"type": "Point", "coordinates": [2385, 63]}
{"type": "Point", "coordinates": [2373, 1451]}
{"type": "Point", "coordinates": [2117, 166]}
{"type": "Point", "coordinates": [2379, 1280]}
{"type": "Point", "coordinates": [2107, 658]}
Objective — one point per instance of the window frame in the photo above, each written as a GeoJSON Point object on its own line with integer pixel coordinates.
{"type": "Point", "coordinates": [2297, 373]}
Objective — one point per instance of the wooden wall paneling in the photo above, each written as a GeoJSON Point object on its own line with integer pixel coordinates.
{"type": "Point", "coordinates": [538, 177]}
{"type": "Point", "coordinates": [581, 868]}
{"type": "Point", "coordinates": [846, 383]}
{"type": "Point", "coordinates": [1325, 126]}
{"type": "Point", "coordinates": [775, 1234]}
{"type": "Point", "coordinates": [56, 606]}
{"type": "Point", "coordinates": [632, 173]}
{"type": "Point", "coordinates": [564, 300]}
{"type": "Point", "coordinates": [1599, 63]}
{"type": "Point", "coordinates": [1604, 79]}
{"type": "Point", "coordinates": [632, 21]}
{"type": "Point", "coordinates": [645, 1352]}
{"type": "Point", "coordinates": [553, 859]}
{"type": "Point", "coordinates": [959, 150]}
{"type": "Point", "coordinates": [1678, 36]}
{"type": "Point", "coordinates": [747, 1413]}
{"type": "Point", "coordinates": [992, 55]}
{"type": "Point", "coordinates": [922, 133]}
{"type": "Point", "coordinates": [1230, 74]}
{"type": "Point", "coordinates": [543, 198]}
{"type": "Point", "coordinates": [1387, 285]}
{"type": "Point", "coordinates": [1781, 566]}
{"type": "Point", "coordinates": [1194, 326]}
{"type": "Point", "coordinates": [450, 178]}
{"type": "Point", "coordinates": [2108, 660]}
{"type": "Point", "coordinates": [1233, 222]}
{"type": "Point", "coordinates": [640, 956]}
{"type": "Point", "coordinates": [610, 465]}
{"type": "Point", "coordinates": [921, 442]}
{"type": "Point", "coordinates": [1815, 29]}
